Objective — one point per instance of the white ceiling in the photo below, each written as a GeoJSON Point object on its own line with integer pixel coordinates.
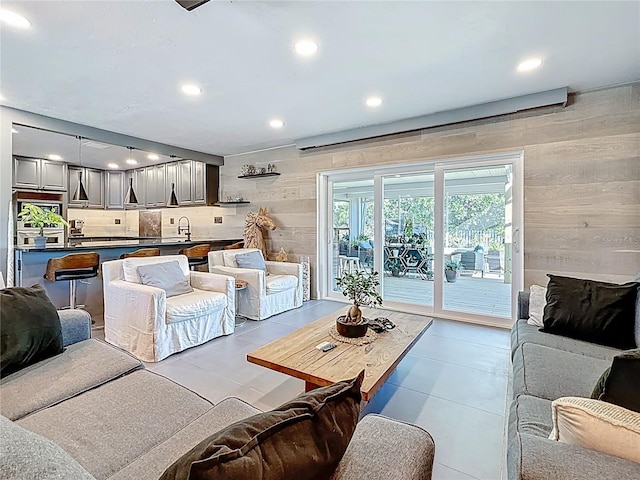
{"type": "Point", "coordinates": [118, 65]}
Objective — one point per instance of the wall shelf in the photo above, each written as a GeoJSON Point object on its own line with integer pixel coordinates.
{"type": "Point", "coordinates": [228, 204]}
{"type": "Point", "coordinates": [258, 175]}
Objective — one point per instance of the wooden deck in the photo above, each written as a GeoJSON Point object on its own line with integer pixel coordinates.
{"type": "Point", "coordinates": [471, 294]}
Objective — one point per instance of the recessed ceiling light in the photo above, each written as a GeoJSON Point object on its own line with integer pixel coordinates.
{"type": "Point", "coordinates": [112, 165]}
{"type": "Point", "coordinates": [191, 89]}
{"type": "Point", "coordinates": [306, 48]}
{"type": "Point", "coordinates": [153, 156]}
{"type": "Point", "coordinates": [54, 156]}
{"type": "Point", "coordinates": [276, 123]}
{"type": "Point", "coordinates": [530, 64]}
{"type": "Point", "coordinates": [13, 19]}
{"type": "Point", "coordinates": [131, 161]}
{"type": "Point", "coordinates": [13, 130]}
{"type": "Point", "coordinates": [373, 102]}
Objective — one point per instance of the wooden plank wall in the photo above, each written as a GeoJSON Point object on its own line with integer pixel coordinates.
{"type": "Point", "coordinates": [581, 177]}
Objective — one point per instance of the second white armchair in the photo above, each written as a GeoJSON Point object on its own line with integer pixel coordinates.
{"type": "Point", "coordinates": [269, 292]}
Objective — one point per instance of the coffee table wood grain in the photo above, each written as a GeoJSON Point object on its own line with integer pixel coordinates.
{"type": "Point", "coordinates": [295, 354]}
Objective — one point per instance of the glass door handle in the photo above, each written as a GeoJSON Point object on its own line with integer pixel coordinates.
{"type": "Point", "coordinates": [516, 240]}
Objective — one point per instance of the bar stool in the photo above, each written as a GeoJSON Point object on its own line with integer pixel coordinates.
{"type": "Point", "coordinates": [142, 252]}
{"type": "Point", "coordinates": [196, 255]}
{"type": "Point", "coordinates": [72, 267]}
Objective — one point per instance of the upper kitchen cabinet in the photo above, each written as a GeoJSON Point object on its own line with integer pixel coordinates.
{"type": "Point", "coordinates": [93, 184]}
{"type": "Point", "coordinates": [197, 183]}
{"type": "Point", "coordinates": [114, 190]}
{"type": "Point", "coordinates": [39, 174]}
{"type": "Point", "coordinates": [155, 186]}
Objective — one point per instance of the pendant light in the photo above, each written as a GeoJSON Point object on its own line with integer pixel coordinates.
{"type": "Point", "coordinates": [80, 195]}
{"type": "Point", "coordinates": [173, 200]}
{"type": "Point", "coordinates": [130, 197]}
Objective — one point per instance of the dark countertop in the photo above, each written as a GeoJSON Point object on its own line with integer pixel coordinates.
{"type": "Point", "coordinates": [79, 243]}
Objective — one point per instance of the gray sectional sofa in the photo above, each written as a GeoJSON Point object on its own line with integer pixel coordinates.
{"type": "Point", "coordinates": [104, 416]}
{"type": "Point", "coordinates": [547, 367]}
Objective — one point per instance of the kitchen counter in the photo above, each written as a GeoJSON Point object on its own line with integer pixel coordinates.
{"type": "Point", "coordinates": [31, 263]}
{"type": "Point", "coordinates": [92, 243]}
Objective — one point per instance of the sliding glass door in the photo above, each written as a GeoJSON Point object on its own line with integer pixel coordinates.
{"type": "Point", "coordinates": [442, 235]}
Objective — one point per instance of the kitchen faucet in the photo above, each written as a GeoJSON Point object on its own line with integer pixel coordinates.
{"type": "Point", "coordinates": [186, 230]}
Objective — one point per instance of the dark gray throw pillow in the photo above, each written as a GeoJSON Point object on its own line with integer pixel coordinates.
{"type": "Point", "coordinates": [592, 311]}
{"type": "Point", "coordinates": [30, 328]}
{"type": "Point", "coordinates": [620, 383]}
{"type": "Point", "coordinates": [252, 260]}
{"type": "Point", "coordinates": [304, 439]}
{"type": "Point", "coordinates": [166, 275]}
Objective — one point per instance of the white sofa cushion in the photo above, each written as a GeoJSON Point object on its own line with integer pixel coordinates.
{"type": "Point", "coordinates": [280, 283]}
{"type": "Point", "coordinates": [537, 301]}
{"type": "Point", "coordinates": [597, 425]}
{"type": "Point", "coordinates": [193, 305]}
{"type": "Point", "coordinates": [166, 275]}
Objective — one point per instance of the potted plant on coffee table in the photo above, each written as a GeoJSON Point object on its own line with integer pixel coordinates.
{"type": "Point", "coordinates": [40, 218]}
{"type": "Point", "coordinates": [360, 287]}
{"type": "Point", "coordinates": [451, 270]}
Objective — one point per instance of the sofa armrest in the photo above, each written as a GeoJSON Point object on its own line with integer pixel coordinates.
{"type": "Point", "coordinates": [128, 304]}
{"type": "Point", "coordinates": [284, 268]}
{"type": "Point", "coordinates": [386, 449]}
{"type": "Point", "coordinates": [212, 282]}
{"type": "Point", "coordinates": [76, 326]}
{"type": "Point", "coordinates": [255, 278]}
{"type": "Point", "coordinates": [523, 305]}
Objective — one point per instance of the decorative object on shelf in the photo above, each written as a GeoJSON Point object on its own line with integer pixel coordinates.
{"type": "Point", "coordinates": [80, 195]}
{"type": "Point", "coordinates": [451, 270]}
{"type": "Point", "coordinates": [239, 199]}
{"type": "Point", "coordinates": [40, 218]}
{"type": "Point", "coordinates": [282, 256]}
{"type": "Point", "coordinates": [253, 225]}
{"type": "Point", "coordinates": [360, 287]}
{"type": "Point", "coordinates": [271, 168]}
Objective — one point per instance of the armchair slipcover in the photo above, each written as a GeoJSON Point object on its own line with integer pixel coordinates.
{"type": "Point", "coordinates": [265, 295]}
{"type": "Point", "coordinates": [143, 321]}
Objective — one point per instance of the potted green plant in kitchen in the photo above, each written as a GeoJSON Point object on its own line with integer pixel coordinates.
{"type": "Point", "coordinates": [451, 269]}
{"type": "Point", "coordinates": [360, 287]}
{"type": "Point", "coordinates": [40, 218]}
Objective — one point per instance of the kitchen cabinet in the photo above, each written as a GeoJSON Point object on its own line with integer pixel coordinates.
{"type": "Point", "coordinates": [183, 187]}
{"type": "Point", "coordinates": [197, 183]}
{"type": "Point", "coordinates": [155, 186]}
{"type": "Point", "coordinates": [39, 174]}
{"type": "Point", "coordinates": [114, 190]}
{"type": "Point", "coordinates": [92, 179]}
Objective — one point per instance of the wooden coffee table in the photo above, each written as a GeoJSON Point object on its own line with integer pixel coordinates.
{"type": "Point", "coordinates": [296, 355]}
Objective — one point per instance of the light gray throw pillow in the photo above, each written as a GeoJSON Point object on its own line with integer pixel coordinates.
{"type": "Point", "coordinates": [252, 260]}
{"type": "Point", "coordinates": [25, 455]}
{"type": "Point", "coordinates": [166, 275]}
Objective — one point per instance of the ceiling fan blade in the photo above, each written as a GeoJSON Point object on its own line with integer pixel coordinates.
{"type": "Point", "coordinates": [191, 4]}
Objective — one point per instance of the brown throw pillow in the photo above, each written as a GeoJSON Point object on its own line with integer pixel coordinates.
{"type": "Point", "coordinates": [30, 329]}
{"type": "Point", "coordinates": [304, 439]}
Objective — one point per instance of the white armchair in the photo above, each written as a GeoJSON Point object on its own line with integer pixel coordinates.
{"type": "Point", "coordinates": [265, 295]}
{"type": "Point", "coordinates": [142, 320]}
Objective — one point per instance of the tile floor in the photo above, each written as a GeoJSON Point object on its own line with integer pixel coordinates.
{"type": "Point", "coordinates": [454, 383]}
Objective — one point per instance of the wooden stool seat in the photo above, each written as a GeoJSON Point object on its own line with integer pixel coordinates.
{"type": "Point", "coordinates": [196, 255]}
{"type": "Point", "coordinates": [72, 267]}
{"type": "Point", "coordinates": [142, 252]}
